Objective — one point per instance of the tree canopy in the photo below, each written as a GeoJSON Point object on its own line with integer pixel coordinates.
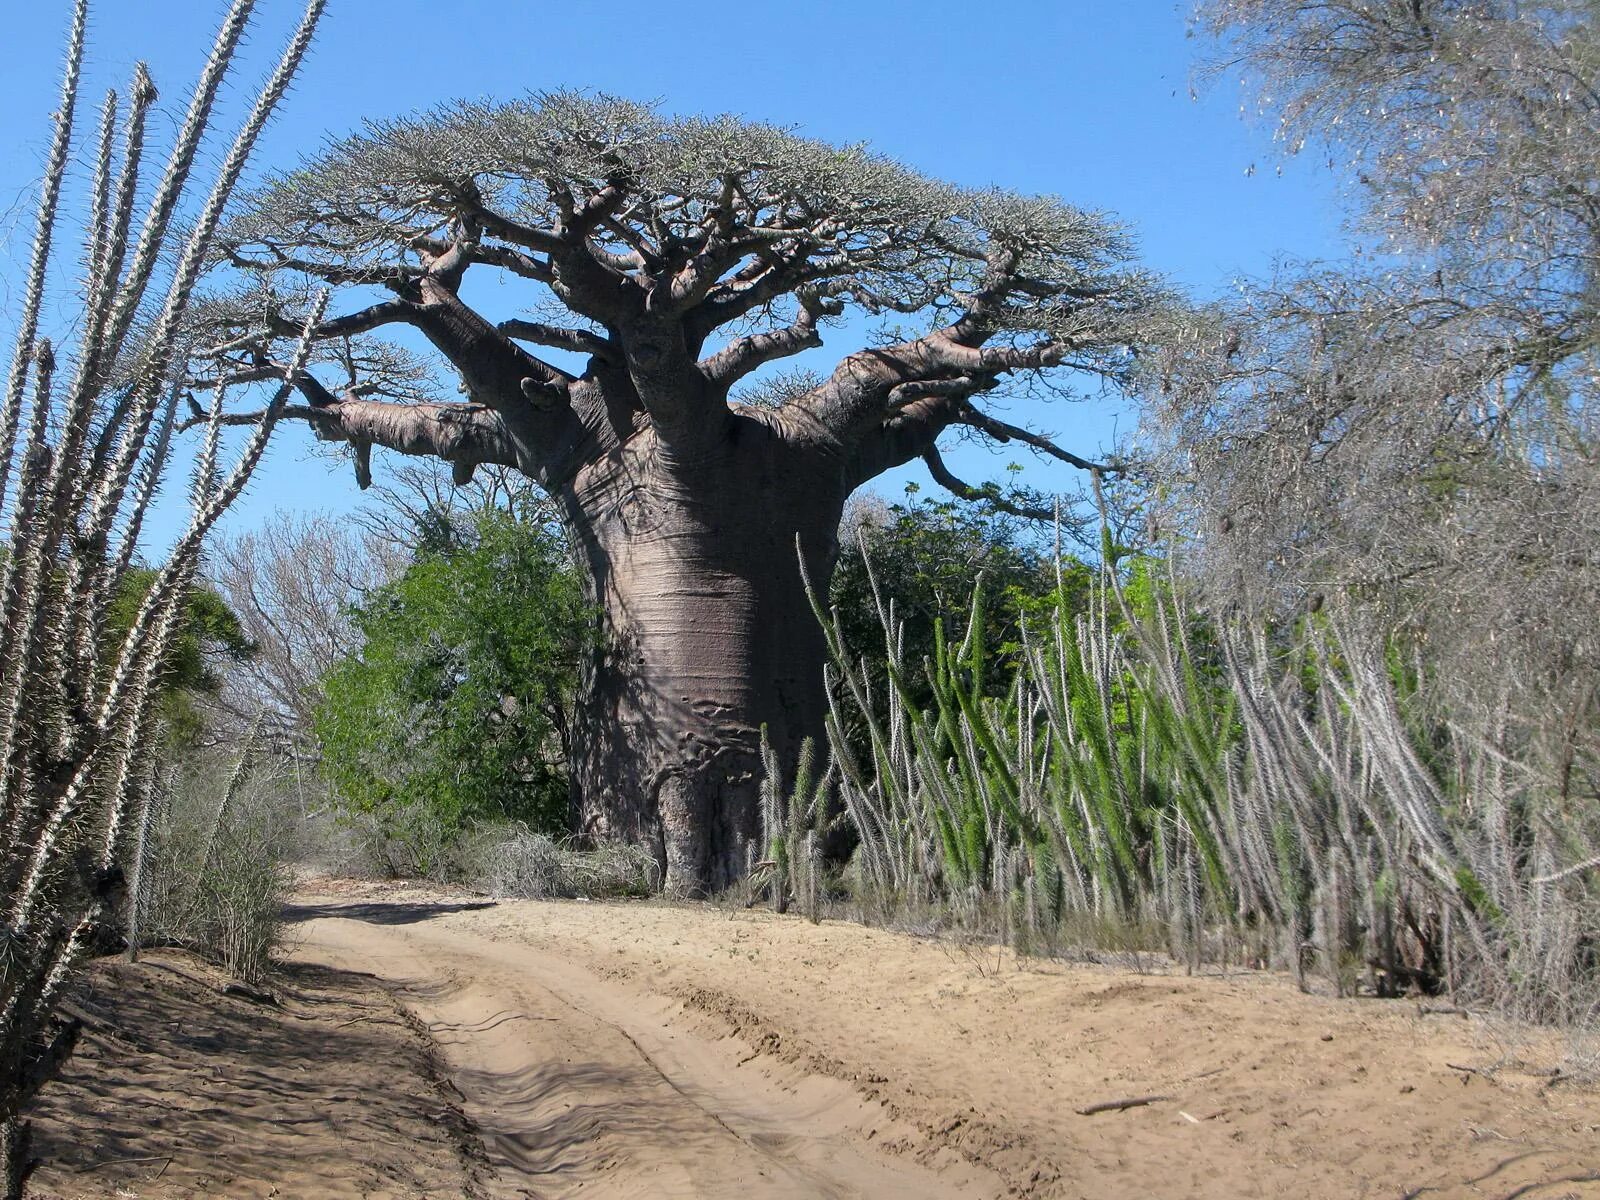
{"type": "Point", "coordinates": [682, 255]}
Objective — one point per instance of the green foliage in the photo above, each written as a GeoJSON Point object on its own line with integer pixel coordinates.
{"type": "Point", "coordinates": [1235, 790]}
{"type": "Point", "coordinates": [208, 631]}
{"type": "Point", "coordinates": [1477, 896]}
{"type": "Point", "coordinates": [926, 556]}
{"type": "Point", "coordinates": [1078, 783]}
{"type": "Point", "coordinates": [458, 701]}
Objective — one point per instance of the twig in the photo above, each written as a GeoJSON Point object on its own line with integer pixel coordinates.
{"type": "Point", "coordinates": [245, 992]}
{"type": "Point", "coordinates": [1575, 869]}
{"type": "Point", "coordinates": [1580, 1177]}
{"type": "Point", "coordinates": [1119, 1105]}
{"type": "Point", "coordinates": [112, 1162]}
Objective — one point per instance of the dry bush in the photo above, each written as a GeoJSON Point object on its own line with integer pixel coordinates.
{"type": "Point", "coordinates": [513, 861]}
{"type": "Point", "coordinates": [1416, 440]}
{"type": "Point", "coordinates": [1384, 484]}
{"type": "Point", "coordinates": [397, 841]}
{"type": "Point", "coordinates": [216, 874]}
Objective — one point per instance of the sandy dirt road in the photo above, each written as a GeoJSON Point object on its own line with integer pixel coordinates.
{"type": "Point", "coordinates": [658, 1050]}
{"type": "Point", "coordinates": [426, 1046]}
{"type": "Point", "coordinates": [580, 1085]}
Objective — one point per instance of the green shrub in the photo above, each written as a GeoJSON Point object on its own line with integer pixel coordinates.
{"type": "Point", "coordinates": [457, 706]}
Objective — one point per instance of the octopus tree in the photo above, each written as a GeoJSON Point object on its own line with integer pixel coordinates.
{"type": "Point", "coordinates": [669, 261]}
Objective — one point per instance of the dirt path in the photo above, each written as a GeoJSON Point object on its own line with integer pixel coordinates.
{"type": "Point", "coordinates": [579, 1084]}
{"type": "Point", "coordinates": [180, 1092]}
{"type": "Point", "coordinates": [425, 1045]}
{"type": "Point", "coordinates": [658, 1050]}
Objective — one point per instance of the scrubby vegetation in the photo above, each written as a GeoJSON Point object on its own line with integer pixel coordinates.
{"type": "Point", "coordinates": [1323, 697]}
{"type": "Point", "coordinates": [513, 860]}
{"type": "Point", "coordinates": [1342, 715]}
{"type": "Point", "coordinates": [457, 705]}
{"type": "Point", "coordinates": [1218, 790]}
{"type": "Point", "coordinates": [211, 871]}
{"type": "Point", "coordinates": [81, 725]}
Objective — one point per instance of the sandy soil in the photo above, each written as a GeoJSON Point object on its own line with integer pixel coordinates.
{"type": "Point", "coordinates": [177, 1090]}
{"type": "Point", "coordinates": [677, 1051]}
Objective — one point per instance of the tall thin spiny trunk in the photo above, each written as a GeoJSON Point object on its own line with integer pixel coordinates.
{"type": "Point", "coordinates": [43, 244]}
{"type": "Point", "coordinates": [77, 739]}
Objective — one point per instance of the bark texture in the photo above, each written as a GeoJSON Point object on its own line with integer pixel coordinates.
{"type": "Point", "coordinates": [708, 637]}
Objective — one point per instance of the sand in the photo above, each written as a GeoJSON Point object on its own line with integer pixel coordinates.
{"type": "Point", "coordinates": [177, 1090]}
{"type": "Point", "coordinates": [656, 1050]}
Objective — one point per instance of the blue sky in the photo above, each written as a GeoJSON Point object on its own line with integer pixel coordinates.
{"type": "Point", "coordinates": [1087, 99]}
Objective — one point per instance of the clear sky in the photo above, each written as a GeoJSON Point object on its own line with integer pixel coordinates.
{"type": "Point", "coordinates": [1087, 99]}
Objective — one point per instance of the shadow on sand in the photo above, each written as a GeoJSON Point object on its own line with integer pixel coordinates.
{"type": "Point", "coordinates": [384, 912]}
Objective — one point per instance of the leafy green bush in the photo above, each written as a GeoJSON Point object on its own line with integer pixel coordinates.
{"type": "Point", "coordinates": [925, 555]}
{"type": "Point", "coordinates": [456, 706]}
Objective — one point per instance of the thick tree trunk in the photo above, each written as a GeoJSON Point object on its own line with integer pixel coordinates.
{"type": "Point", "coordinates": [707, 636]}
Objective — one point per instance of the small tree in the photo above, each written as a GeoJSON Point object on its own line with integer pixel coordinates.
{"type": "Point", "coordinates": [927, 556]}
{"type": "Point", "coordinates": [458, 702]}
{"type": "Point", "coordinates": [1417, 437]}
{"type": "Point", "coordinates": [292, 583]}
{"type": "Point", "coordinates": [77, 708]}
{"type": "Point", "coordinates": [1391, 467]}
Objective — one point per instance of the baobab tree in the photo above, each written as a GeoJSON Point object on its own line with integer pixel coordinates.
{"type": "Point", "coordinates": [683, 256]}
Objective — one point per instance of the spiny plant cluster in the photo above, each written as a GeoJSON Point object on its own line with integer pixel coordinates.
{"type": "Point", "coordinates": [84, 445]}
{"type": "Point", "coordinates": [795, 821]}
{"type": "Point", "coordinates": [1224, 791]}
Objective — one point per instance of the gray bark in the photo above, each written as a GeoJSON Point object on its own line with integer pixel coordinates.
{"type": "Point", "coordinates": [707, 636]}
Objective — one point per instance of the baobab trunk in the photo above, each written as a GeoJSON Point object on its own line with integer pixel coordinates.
{"type": "Point", "coordinates": [707, 636]}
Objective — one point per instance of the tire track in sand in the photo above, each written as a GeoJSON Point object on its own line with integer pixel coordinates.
{"type": "Point", "coordinates": [583, 1085]}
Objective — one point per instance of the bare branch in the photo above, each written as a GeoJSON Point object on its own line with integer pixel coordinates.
{"type": "Point", "coordinates": [991, 496]}
{"type": "Point", "coordinates": [580, 340]}
{"type": "Point", "coordinates": [389, 312]}
{"type": "Point", "coordinates": [1003, 432]}
{"type": "Point", "coordinates": [746, 354]}
{"type": "Point", "coordinates": [337, 274]}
